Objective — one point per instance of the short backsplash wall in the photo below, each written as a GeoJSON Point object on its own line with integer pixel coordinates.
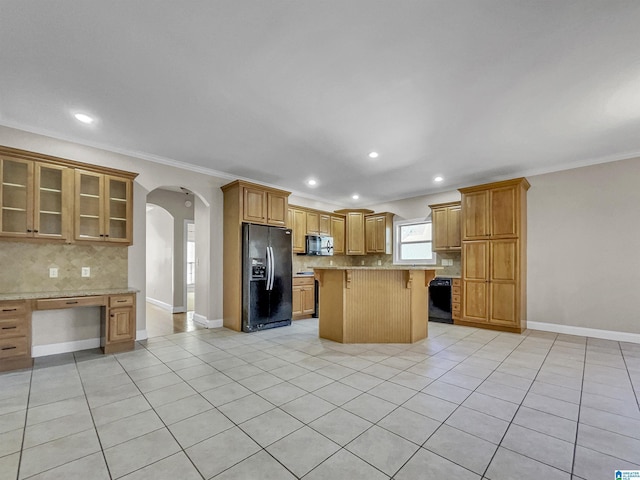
{"type": "Point", "coordinates": [24, 267]}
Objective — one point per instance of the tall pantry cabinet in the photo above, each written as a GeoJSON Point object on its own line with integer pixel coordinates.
{"type": "Point", "coordinates": [494, 247]}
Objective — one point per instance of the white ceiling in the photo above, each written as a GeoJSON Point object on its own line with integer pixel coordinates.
{"type": "Point", "coordinates": [279, 91]}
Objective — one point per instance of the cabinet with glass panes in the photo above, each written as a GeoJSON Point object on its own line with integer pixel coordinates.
{"type": "Point", "coordinates": [33, 199]}
{"type": "Point", "coordinates": [103, 207]}
{"type": "Point", "coordinates": [52, 198]}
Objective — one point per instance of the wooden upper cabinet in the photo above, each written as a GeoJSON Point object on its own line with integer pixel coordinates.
{"type": "Point", "coordinates": [493, 210]}
{"type": "Point", "coordinates": [35, 199]}
{"type": "Point", "coordinates": [38, 199]}
{"type": "Point", "coordinates": [254, 205]}
{"type": "Point", "coordinates": [337, 232]}
{"type": "Point", "coordinates": [446, 226]}
{"type": "Point", "coordinates": [355, 231]}
{"type": "Point", "coordinates": [475, 223]}
{"type": "Point", "coordinates": [379, 233]}
{"type": "Point", "coordinates": [103, 208]}
{"type": "Point", "coordinates": [313, 223]}
{"type": "Point", "coordinates": [262, 205]}
{"type": "Point", "coordinates": [325, 224]}
{"type": "Point", "coordinates": [298, 227]}
{"type": "Point", "coordinates": [276, 208]}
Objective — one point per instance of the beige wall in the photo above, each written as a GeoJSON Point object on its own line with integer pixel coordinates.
{"type": "Point", "coordinates": [584, 247]}
{"type": "Point", "coordinates": [160, 255]}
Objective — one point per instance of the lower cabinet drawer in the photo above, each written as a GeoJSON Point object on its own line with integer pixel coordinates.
{"type": "Point", "coordinates": [297, 281]}
{"type": "Point", "coordinates": [456, 290]}
{"type": "Point", "coordinates": [121, 301]}
{"type": "Point", "coordinates": [455, 298]}
{"type": "Point", "coordinates": [455, 307]}
{"type": "Point", "coordinates": [10, 309]}
{"type": "Point", "coordinates": [13, 327]}
{"type": "Point", "coordinates": [69, 302]}
{"type": "Point", "coordinates": [14, 347]}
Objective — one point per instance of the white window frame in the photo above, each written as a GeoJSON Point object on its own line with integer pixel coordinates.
{"type": "Point", "coordinates": [397, 243]}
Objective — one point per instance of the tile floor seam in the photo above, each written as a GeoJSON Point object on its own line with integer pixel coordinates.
{"type": "Point", "coordinates": [626, 366]}
{"type": "Point", "coordinates": [26, 418]}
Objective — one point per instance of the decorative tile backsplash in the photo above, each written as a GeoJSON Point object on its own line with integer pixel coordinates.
{"type": "Point", "coordinates": [24, 267]}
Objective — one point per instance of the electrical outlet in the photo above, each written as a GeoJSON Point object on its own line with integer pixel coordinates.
{"type": "Point", "coordinates": [379, 262]}
{"type": "Point", "coordinates": [330, 262]}
{"type": "Point", "coordinates": [361, 262]}
{"type": "Point", "coordinates": [86, 271]}
{"type": "Point", "coordinates": [53, 272]}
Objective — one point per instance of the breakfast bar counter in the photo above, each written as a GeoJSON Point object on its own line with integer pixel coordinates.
{"type": "Point", "coordinates": [374, 305]}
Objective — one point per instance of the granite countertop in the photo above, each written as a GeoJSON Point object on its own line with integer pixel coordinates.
{"type": "Point", "coordinates": [65, 293]}
{"type": "Point", "coordinates": [392, 267]}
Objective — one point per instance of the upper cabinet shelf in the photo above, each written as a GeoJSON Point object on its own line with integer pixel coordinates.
{"type": "Point", "coordinates": [43, 197]}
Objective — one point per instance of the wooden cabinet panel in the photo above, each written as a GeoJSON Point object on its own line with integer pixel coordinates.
{"type": "Point", "coordinates": [304, 297]}
{"type": "Point", "coordinates": [475, 222]}
{"type": "Point", "coordinates": [69, 302]}
{"type": "Point", "coordinates": [118, 209]}
{"type": "Point", "coordinates": [337, 232]}
{"type": "Point", "coordinates": [120, 325]}
{"type": "Point", "coordinates": [254, 207]}
{"type": "Point", "coordinates": [355, 233]}
{"type": "Point", "coordinates": [504, 214]}
{"type": "Point", "coordinates": [325, 224]}
{"type": "Point", "coordinates": [370, 234]}
{"type": "Point", "coordinates": [308, 300]}
{"type": "Point", "coordinates": [378, 233]}
{"type": "Point", "coordinates": [504, 260]}
{"type": "Point", "coordinates": [446, 226]}
{"type": "Point", "coordinates": [15, 347]}
{"type": "Point", "coordinates": [476, 301]}
{"type": "Point", "coordinates": [15, 335]}
{"type": "Point", "coordinates": [299, 229]}
{"type": "Point", "coordinates": [313, 223]}
{"type": "Point", "coordinates": [89, 206]}
{"type": "Point", "coordinates": [504, 303]}
{"type": "Point", "coordinates": [476, 261]}
{"type": "Point", "coordinates": [276, 209]}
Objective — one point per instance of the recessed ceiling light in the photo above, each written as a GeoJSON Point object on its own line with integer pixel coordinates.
{"type": "Point", "coordinates": [438, 179]}
{"type": "Point", "coordinates": [373, 155]}
{"type": "Point", "coordinates": [311, 182]}
{"type": "Point", "coordinates": [355, 197]}
{"type": "Point", "coordinates": [83, 117]}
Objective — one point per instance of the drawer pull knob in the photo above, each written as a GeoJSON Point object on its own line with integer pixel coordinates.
{"type": "Point", "coordinates": [9, 309]}
{"type": "Point", "coordinates": [72, 302]}
{"type": "Point", "coordinates": [112, 315]}
{"type": "Point", "coordinates": [9, 328]}
{"type": "Point", "coordinates": [8, 348]}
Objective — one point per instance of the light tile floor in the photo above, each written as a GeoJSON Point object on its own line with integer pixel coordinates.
{"type": "Point", "coordinates": [282, 404]}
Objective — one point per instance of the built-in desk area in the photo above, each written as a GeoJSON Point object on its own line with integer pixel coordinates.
{"type": "Point", "coordinates": [117, 324]}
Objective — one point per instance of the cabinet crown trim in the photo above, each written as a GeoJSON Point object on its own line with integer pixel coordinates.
{"type": "Point", "coordinates": [40, 157]}
{"type": "Point", "coordinates": [505, 183]}
{"type": "Point", "coordinates": [242, 183]}
{"type": "Point", "coordinates": [356, 210]}
{"type": "Point", "coordinates": [446, 204]}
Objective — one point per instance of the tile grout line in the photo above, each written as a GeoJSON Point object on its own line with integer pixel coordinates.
{"type": "Point", "coordinates": [26, 418]}
{"type": "Point", "coordinates": [626, 366]}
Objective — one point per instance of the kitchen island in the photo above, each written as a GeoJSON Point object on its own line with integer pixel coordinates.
{"type": "Point", "coordinates": [374, 305]}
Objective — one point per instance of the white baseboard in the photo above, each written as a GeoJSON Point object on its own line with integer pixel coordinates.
{"type": "Point", "coordinates": [141, 335]}
{"type": "Point", "coordinates": [162, 305]}
{"type": "Point", "coordinates": [64, 347]}
{"type": "Point", "coordinates": [179, 309]}
{"type": "Point", "coordinates": [204, 321]}
{"type": "Point", "coordinates": [585, 332]}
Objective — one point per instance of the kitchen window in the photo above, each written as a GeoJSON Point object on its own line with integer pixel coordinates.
{"type": "Point", "coordinates": [413, 242]}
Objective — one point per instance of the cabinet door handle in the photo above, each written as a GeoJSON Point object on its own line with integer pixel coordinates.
{"type": "Point", "coordinates": [107, 235]}
{"type": "Point", "coordinates": [72, 302]}
{"type": "Point", "coordinates": [112, 315]}
{"type": "Point", "coordinates": [101, 235]}
{"type": "Point", "coordinates": [28, 230]}
{"type": "Point", "coordinates": [9, 328]}
{"type": "Point", "coordinates": [9, 309]}
{"type": "Point", "coordinates": [35, 231]}
{"type": "Point", "coordinates": [8, 348]}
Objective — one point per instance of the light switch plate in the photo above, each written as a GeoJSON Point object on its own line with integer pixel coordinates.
{"type": "Point", "coordinates": [86, 271]}
{"type": "Point", "coordinates": [53, 272]}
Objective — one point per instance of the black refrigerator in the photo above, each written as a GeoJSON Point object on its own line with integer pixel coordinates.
{"type": "Point", "coordinates": [266, 277]}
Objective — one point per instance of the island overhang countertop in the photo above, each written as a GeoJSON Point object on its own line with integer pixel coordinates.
{"type": "Point", "coordinates": [360, 304]}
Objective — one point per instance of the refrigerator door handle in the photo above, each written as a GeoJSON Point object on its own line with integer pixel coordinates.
{"type": "Point", "coordinates": [269, 268]}
{"type": "Point", "coordinates": [273, 267]}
